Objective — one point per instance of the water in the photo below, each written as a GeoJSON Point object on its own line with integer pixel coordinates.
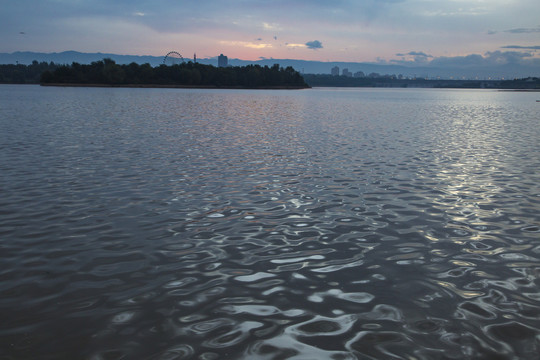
{"type": "Point", "coordinates": [313, 224]}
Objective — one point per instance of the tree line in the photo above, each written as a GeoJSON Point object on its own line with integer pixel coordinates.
{"type": "Point", "coordinates": [107, 72]}
{"type": "Point", "coordinates": [24, 74]}
{"type": "Point", "coordinates": [325, 80]}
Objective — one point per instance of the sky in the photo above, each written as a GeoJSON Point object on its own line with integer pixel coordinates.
{"type": "Point", "coordinates": [382, 31]}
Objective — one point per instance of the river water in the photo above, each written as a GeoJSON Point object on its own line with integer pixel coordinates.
{"type": "Point", "coordinates": [236, 224]}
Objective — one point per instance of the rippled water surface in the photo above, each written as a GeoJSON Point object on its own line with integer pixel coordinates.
{"type": "Point", "coordinates": [316, 224]}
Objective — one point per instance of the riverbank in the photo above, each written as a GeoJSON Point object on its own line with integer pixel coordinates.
{"type": "Point", "coordinates": [324, 80]}
{"type": "Point", "coordinates": [169, 86]}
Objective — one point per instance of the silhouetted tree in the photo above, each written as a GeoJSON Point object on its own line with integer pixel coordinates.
{"type": "Point", "coordinates": [108, 72]}
{"type": "Point", "coordinates": [24, 74]}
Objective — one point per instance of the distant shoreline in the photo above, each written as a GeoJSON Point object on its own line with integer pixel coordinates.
{"type": "Point", "coordinates": [158, 86]}
{"type": "Point", "coordinates": [164, 86]}
{"type": "Point", "coordinates": [520, 90]}
{"type": "Point", "coordinates": [392, 82]}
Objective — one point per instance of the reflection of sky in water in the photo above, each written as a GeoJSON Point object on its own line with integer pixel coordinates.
{"type": "Point", "coordinates": [352, 223]}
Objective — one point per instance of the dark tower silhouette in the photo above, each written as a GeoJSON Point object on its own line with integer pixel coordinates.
{"type": "Point", "coordinates": [222, 61]}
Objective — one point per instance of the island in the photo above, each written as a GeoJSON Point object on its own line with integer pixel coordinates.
{"type": "Point", "coordinates": [186, 74]}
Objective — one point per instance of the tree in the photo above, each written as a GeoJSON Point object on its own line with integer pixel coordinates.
{"type": "Point", "coordinates": [107, 71]}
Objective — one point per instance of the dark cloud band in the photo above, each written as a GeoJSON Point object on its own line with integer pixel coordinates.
{"type": "Point", "coordinates": [537, 47]}
{"type": "Point", "coordinates": [315, 44]}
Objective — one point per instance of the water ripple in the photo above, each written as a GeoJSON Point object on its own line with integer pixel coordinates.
{"type": "Point", "coordinates": [320, 224]}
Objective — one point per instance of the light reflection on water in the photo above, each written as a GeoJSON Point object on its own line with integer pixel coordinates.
{"type": "Point", "coordinates": [326, 223]}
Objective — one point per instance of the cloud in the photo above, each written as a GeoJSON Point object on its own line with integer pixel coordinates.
{"type": "Point", "coordinates": [422, 54]}
{"type": "Point", "coordinates": [246, 44]}
{"type": "Point", "coordinates": [418, 57]}
{"type": "Point", "coordinates": [473, 11]}
{"type": "Point", "coordinates": [505, 57]}
{"type": "Point", "coordinates": [524, 30]}
{"type": "Point", "coordinates": [459, 61]}
{"type": "Point", "coordinates": [517, 31]}
{"type": "Point", "coordinates": [315, 44]}
{"type": "Point", "coordinates": [377, 28]}
{"type": "Point", "coordinates": [490, 58]}
{"type": "Point", "coordinates": [536, 47]}
{"type": "Point", "coordinates": [416, 53]}
{"type": "Point", "coordinates": [289, 45]}
{"type": "Point", "coordinates": [271, 26]}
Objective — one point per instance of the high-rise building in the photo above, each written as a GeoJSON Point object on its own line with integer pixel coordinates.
{"type": "Point", "coordinates": [222, 61]}
{"type": "Point", "coordinates": [335, 71]}
{"type": "Point", "coordinates": [346, 73]}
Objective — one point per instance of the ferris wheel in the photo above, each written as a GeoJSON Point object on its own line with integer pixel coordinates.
{"type": "Point", "coordinates": [173, 58]}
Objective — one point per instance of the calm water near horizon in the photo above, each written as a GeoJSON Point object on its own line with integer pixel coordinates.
{"type": "Point", "coordinates": [269, 224]}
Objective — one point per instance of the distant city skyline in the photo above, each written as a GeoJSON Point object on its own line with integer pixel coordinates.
{"type": "Point", "coordinates": [408, 32]}
{"type": "Point", "coordinates": [475, 68]}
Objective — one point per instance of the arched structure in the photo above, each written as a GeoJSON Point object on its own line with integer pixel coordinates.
{"type": "Point", "coordinates": [173, 58]}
